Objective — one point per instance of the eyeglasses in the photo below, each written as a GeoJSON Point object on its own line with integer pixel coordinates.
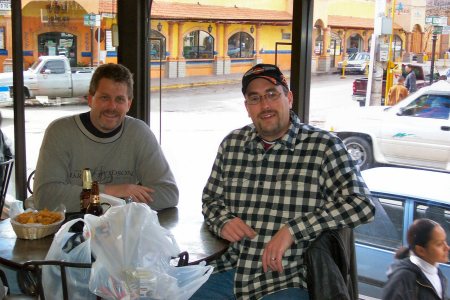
{"type": "Point", "coordinates": [256, 99]}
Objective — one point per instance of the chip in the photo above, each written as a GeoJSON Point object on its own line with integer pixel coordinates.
{"type": "Point", "coordinates": [44, 217]}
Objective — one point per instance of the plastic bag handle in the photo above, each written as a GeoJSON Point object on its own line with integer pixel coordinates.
{"type": "Point", "coordinates": [66, 227]}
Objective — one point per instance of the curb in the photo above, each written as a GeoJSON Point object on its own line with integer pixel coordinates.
{"type": "Point", "coordinates": [194, 84]}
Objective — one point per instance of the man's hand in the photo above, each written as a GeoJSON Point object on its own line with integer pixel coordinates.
{"type": "Point", "coordinates": [275, 249]}
{"type": "Point", "coordinates": [137, 193]}
{"type": "Point", "coordinates": [235, 230]}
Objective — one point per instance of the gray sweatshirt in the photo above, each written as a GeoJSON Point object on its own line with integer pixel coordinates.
{"type": "Point", "coordinates": [132, 155]}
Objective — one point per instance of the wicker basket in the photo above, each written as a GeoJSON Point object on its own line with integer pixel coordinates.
{"type": "Point", "coordinates": [35, 231]}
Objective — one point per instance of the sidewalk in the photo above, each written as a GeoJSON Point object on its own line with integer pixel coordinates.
{"type": "Point", "coordinates": [193, 81]}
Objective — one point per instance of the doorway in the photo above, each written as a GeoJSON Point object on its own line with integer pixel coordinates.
{"type": "Point", "coordinates": [58, 43]}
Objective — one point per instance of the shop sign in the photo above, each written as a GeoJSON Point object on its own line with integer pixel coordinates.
{"type": "Point", "coordinates": [436, 21]}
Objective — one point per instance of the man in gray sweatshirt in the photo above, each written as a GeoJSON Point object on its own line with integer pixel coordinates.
{"type": "Point", "coordinates": [122, 152]}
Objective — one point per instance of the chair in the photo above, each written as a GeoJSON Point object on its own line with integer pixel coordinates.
{"type": "Point", "coordinates": [33, 272]}
{"type": "Point", "coordinates": [5, 174]}
{"type": "Point", "coordinates": [8, 296]}
{"type": "Point", "coordinates": [31, 275]}
{"type": "Point", "coordinates": [30, 181]}
{"type": "Point", "coordinates": [331, 266]}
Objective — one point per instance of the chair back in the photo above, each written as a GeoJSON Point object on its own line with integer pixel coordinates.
{"type": "Point", "coordinates": [30, 181]}
{"type": "Point", "coordinates": [5, 174]}
{"type": "Point", "coordinates": [34, 267]}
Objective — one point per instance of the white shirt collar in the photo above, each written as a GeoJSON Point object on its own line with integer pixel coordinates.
{"type": "Point", "coordinates": [423, 265]}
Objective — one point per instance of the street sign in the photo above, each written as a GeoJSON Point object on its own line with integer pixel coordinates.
{"type": "Point", "coordinates": [91, 20]}
{"type": "Point", "coordinates": [437, 30]}
{"type": "Point", "coordinates": [436, 21]}
{"type": "Point", "coordinates": [446, 29]}
{"type": "Point", "coordinates": [5, 5]}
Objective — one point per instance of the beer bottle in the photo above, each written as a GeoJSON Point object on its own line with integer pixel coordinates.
{"type": "Point", "coordinates": [94, 207]}
{"type": "Point", "coordinates": [85, 195]}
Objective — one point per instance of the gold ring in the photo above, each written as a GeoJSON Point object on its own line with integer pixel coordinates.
{"type": "Point", "coordinates": [273, 258]}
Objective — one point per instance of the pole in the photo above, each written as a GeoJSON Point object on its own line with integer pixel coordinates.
{"type": "Point", "coordinates": [433, 49]}
{"type": "Point", "coordinates": [390, 63]}
{"type": "Point", "coordinates": [92, 46]}
{"type": "Point", "coordinates": [334, 54]}
{"type": "Point", "coordinates": [98, 46]}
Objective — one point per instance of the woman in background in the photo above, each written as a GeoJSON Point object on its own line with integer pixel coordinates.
{"type": "Point", "coordinates": [416, 275]}
{"type": "Point", "coordinates": [5, 150]}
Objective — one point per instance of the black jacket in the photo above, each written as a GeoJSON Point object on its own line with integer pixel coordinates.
{"type": "Point", "coordinates": [331, 266]}
{"type": "Point", "coordinates": [5, 151]}
{"type": "Point", "coordinates": [406, 281]}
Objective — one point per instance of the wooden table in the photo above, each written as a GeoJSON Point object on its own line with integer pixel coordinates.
{"type": "Point", "coordinates": [190, 232]}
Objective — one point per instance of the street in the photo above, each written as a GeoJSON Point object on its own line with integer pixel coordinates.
{"type": "Point", "coordinates": [192, 123]}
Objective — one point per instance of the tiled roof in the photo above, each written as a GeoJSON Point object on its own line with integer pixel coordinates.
{"type": "Point", "coordinates": [353, 22]}
{"type": "Point", "coordinates": [184, 11]}
{"type": "Point", "coordinates": [107, 6]}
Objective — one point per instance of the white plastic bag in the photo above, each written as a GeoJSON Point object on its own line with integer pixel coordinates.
{"type": "Point", "coordinates": [77, 278]}
{"type": "Point", "coordinates": [133, 254]}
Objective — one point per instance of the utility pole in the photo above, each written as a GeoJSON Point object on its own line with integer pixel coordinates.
{"type": "Point", "coordinates": [433, 49]}
{"type": "Point", "coordinates": [390, 64]}
{"type": "Point", "coordinates": [92, 45]}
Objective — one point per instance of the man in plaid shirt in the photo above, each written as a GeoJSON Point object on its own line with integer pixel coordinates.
{"type": "Point", "coordinates": [275, 186]}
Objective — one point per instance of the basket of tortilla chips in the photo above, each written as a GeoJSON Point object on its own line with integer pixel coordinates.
{"type": "Point", "coordinates": [33, 225]}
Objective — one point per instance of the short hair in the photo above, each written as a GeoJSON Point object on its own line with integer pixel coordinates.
{"type": "Point", "coordinates": [116, 72]}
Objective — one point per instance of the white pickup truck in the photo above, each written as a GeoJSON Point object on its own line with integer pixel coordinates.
{"type": "Point", "coordinates": [52, 76]}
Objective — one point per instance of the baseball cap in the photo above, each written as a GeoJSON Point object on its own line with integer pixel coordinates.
{"type": "Point", "coordinates": [267, 71]}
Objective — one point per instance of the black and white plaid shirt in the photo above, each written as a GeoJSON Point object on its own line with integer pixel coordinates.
{"type": "Point", "coordinates": [306, 180]}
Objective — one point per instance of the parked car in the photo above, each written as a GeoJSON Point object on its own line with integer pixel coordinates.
{"type": "Point", "coordinates": [401, 195]}
{"type": "Point", "coordinates": [356, 62]}
{"type": "Point", "coordinates": [422, 79]}
{"type": "Point", "coordinates": [414, 132]}
{"type": "Point", "coordinates": [52, 76]}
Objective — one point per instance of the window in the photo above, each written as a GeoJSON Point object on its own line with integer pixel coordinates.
{"type": "Point", "coordinates": [318, 49]}
{"type": "Point", "coordinates": [355, 44]}
{"type": "Point", "coordinates": [2, 37]}
{"type": "Point", "coordinates": [198, 45]}
{"type": "Point", "coordinates": [386, 230]}
{"type": "Point", "coordinates": [397, 47]}
{"type": "Point", "coordinates": [240, 45]}
{"type": "Point", "coordinates": [158, 45]}
{"type": "Point", "coordinates": [429, 106]}
{"type": "Point", "coordinates": [56, 67]}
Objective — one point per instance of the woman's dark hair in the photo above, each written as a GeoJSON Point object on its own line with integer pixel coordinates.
{"type": "Point", "coordinates": [419, 234]}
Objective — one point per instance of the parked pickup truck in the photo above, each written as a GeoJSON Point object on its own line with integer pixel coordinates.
{"type": "Point", "coordinates": [422, 77]}
{"type": "Point", "coordinates": [52, 76]}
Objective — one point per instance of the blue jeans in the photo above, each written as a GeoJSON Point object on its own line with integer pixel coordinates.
{"type": "Point", "coordinates": [220, 287]}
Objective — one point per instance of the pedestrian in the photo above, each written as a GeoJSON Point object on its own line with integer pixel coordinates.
{"type": "Point", "coordinates": [122, 152]}
{"type": "Point", "coordinates": [275, 185]}
{"type": "Point", "coordinates": [410, 83]}
{"type": "Point", "coordinates": [416, 274]}
{"type": "Point", "coordinates": [397, 92]}
{"type": "Point", "coordinates": [5, 150]}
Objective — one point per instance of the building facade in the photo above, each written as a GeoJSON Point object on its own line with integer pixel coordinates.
{"type": "Point", "coordinates": [214, 37]}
